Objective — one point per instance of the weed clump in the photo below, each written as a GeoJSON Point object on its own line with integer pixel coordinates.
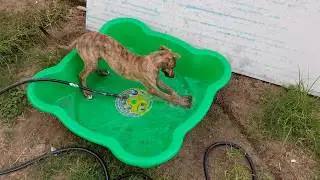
{"type": "Point", "coordinates": [20, 44]}
{"type": "Point", "coordinates": [293, 115]}
{"type": "Point", "coordinates": [12, 104]}
{"type": "Point", "coordinates": [20, 30]}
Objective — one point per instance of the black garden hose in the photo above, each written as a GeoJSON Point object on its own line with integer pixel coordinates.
{"type": "Point", "coordinates": [65, 150]}
{"type": "Point", "coordinates": [56, 152]}
{"type": "Point", "coordinates": [99, 159]}
{"type": "Point", "coordinates": [56, 81]}
{"type": "Point", "coordinates": [232, 145]}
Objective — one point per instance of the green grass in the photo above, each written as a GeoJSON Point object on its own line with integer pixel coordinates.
{"type": "Point", "coordinates": [237, 170]}
{"type": "Point", "coordinates": [42, 59]}
{"type": "Point", "coordinates": [21, 44]}
{"type": "Point", "coordinates": [290, 115]}
{"type": "Point", "coordinates": [19, 30]}
{"type": "Point", "coordinates": [236, 167]}
{"type": "Point", "coordinates": [81, 166]}
{"type": "Point", "coordinates": [230, 164]}
{"type": "Point", "coordinates": [14, 102]}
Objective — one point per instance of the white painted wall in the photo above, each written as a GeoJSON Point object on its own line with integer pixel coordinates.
{"type": "Point", "coordinates": [265, 39]}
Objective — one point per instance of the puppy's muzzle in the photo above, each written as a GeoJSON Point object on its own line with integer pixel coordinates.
{"type": "Point", "coordinates": [169, 74]}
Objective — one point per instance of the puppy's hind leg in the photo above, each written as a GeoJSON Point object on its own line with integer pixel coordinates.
{"type": "Point", "coordinates": [83, 79]}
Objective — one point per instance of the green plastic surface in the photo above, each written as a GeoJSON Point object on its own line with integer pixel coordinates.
{"type": "Point", "coordinates": [144, 141]}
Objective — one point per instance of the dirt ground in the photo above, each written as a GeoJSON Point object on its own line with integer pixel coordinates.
{"type": "Point", "coordinates": [34, 132]}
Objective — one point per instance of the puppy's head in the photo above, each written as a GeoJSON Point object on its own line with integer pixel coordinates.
{"type": "Point", "coordinates": [168, 61]}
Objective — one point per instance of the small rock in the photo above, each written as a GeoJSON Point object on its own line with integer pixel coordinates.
{"type": "Point", "coordinates": [53, 148]}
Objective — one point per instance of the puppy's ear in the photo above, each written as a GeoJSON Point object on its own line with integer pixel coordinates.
{"type": "Point", "coordinates": [162, 47]}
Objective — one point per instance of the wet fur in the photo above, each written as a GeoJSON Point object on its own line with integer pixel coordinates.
{"type": "Point", "coordinates": [93, 45]}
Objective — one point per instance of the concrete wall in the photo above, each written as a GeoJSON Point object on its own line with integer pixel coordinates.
{"type": "Point", "coordinates": [266, 39]}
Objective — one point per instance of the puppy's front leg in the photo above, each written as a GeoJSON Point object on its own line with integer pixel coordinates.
{"type": "Point", "coordinates": [166, 87]}
{"type": "Point", "coordinates": [184, 100]}
{"type": "Point", "coordinates": [176, 100]}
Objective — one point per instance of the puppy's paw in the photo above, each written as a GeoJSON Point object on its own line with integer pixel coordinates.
{"type": "Point", "coordinates": [89, 97]}
{"type": "Point", "coordinates": [172, 93]}
{"type": "Point", "coordinates": [87, 94]}
{"type": "Point", "coordinates": [186, 101]}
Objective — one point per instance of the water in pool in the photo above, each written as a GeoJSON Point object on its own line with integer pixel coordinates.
{"type": "Point", "coordinates": [153, 129]}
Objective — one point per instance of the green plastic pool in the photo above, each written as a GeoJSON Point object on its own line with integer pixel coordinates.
{"type": "Point", "coordinates": [150, 131]}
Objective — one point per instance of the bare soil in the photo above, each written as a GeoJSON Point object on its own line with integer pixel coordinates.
{"type": "Point", "coordinates": [34, 132]}
{"type": "Point", "coordinates": [20, 5]}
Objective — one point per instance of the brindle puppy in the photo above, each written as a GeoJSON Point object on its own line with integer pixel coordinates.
{"type": "Point", "coordinates": [93, 45]}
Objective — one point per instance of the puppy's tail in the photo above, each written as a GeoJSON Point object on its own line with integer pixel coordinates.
{"type": "Point", "coordinates": [50, 36]}
{"type": "Point", "coordinates": [56, 40]}
{"type": "Point", "coordinates": [70, 46]}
